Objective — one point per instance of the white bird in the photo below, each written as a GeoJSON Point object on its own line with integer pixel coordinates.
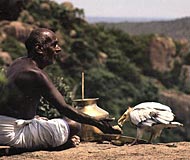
{"type": "Point", "coordinates": [149, 116]}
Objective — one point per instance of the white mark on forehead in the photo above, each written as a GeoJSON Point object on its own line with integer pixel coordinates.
{"type": "Point", "coordinates": [46, 33]}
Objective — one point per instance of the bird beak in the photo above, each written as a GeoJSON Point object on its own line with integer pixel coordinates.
{"type": "Point", "coordinates": [124, 117]}
{"type": "Point", "coordinates": [121, 120]}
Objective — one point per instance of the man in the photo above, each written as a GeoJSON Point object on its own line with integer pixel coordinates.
{"type": "Point", "coordinates": [27, 82]}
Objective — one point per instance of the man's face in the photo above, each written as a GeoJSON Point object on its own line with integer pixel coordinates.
{"type": "Point", "coordinates": [51, 48]}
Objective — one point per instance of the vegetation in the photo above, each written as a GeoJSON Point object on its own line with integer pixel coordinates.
{"type": "Point", "coordinates": [12, 46]}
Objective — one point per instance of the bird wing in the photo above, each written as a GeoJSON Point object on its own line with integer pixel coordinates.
{"type": "Point", "coordinates": [140, 115]}
{"type": "Point", "coordinates": [155, 105]}
{"type": "Point", "coordinates": [151, 113]}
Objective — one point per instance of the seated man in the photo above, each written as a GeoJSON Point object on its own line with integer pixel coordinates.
{"type": "Point", "coordinates": [27, 82]}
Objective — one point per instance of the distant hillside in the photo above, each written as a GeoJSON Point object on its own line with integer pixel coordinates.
{"type": "Point", "coordinates": [123, 19]}
{"type": "Point", "coordinates": [179, 28]}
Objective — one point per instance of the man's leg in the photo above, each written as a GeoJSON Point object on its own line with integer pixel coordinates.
{"type": "Point", "coordinates": [74, 139]}
{"type": "Point", "coordinates": [74, 126]}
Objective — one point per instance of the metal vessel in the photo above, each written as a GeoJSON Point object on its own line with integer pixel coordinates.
{"type": "Point", "coordinates": [89, 106]}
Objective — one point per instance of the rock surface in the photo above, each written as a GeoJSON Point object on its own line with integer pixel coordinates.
{"type": "Point", "coordinates": [94, 151]}
{"type": "Point", "coordinates": [180, 104]}
{"type": "Point", "coordinates": [162, 51]}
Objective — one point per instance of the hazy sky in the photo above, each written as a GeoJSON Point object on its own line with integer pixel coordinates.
{"type": "Point", "coordinates": [134, 8]}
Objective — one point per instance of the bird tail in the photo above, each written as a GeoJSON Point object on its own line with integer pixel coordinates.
{"type": "Point", "coordinates": [174, 124]}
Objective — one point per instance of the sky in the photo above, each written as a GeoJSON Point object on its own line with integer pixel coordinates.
{"type": "Point", "coordinates": [133, 8]}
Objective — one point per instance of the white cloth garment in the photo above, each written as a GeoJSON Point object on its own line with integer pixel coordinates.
{"type": "Point", "coordinates": [34, 133]}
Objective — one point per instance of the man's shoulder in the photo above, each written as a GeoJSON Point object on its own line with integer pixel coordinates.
{"type": "Point", "coordinates": [30, 79]}
{"type": "Point", "coordinates": [24, 66]}
{"type": "Point", "coordinates": [33, 74]}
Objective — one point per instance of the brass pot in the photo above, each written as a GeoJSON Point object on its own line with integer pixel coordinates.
{"type": "Point", "coordinates": [89, 106]}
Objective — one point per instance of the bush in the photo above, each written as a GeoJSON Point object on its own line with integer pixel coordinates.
{"type": "Point", "coordinates": [3, 82]}
{"type": "Point", "coordinates": [48, 110]}
{"type": "Point", "coordinates": [14, 47]}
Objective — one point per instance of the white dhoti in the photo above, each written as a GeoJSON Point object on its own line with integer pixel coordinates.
{"type": "Point", "coordinates": [34, 133]}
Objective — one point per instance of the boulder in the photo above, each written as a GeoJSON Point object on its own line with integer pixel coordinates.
{"type": "Point", "coordinates": [183, 46]}
{"type": "Point", "coordinates": [162, 52]}
{"type": "Point", "coordinates": [180, 104]}
{"type": "Point", "coordinates": [18, 30]}
{"type": "Point", "coordinates": [68, 6]}
{"type": "Point", "coordinates": [185, 78]}
{"type": "Point", "coordinates": [5, 58]}
{"type": "Point", "coordinates": [102, 57]}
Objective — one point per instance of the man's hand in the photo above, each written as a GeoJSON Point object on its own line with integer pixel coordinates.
{"type": "Point", "coordinates": [105, 126]}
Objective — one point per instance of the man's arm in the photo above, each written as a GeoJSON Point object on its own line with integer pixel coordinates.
{"type": "Point", "coordinates": [50, 93]}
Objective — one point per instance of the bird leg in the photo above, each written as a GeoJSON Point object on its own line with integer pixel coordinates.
{"type": "Point", "coordinates": [152, 136]}
{"type": "Point", "coordinates": [140, 132]}
{"type": "Point", "coordinates": [134, 142]}
{"type": "Point", "coordinates": [155, 133]}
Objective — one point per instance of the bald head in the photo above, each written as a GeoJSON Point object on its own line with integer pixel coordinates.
{"type": "Point", "coordinates": [42, 46]}
{"type": "Point", "coordinates": [40, 36]}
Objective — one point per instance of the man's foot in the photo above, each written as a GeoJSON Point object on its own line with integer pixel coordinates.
{"type": "Point", "coordinates": [72, 142]}
{"type": "Point", "coordinates": [75, 140]}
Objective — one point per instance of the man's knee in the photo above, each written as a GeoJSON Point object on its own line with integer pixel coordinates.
{"type": "Point", "coordinates": [74, 126]}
